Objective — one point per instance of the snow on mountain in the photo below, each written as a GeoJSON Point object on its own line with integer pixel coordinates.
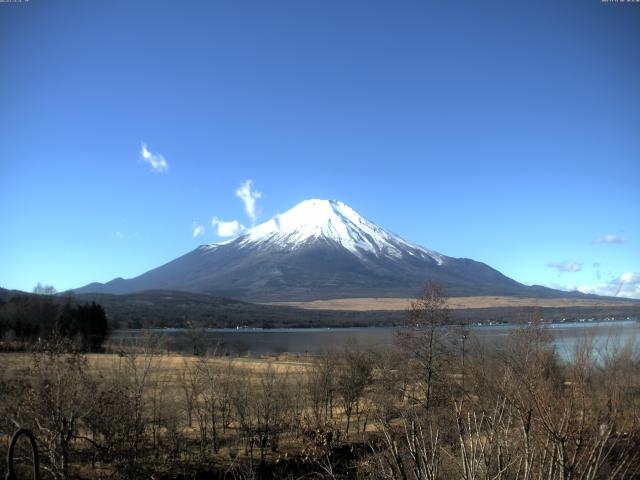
{"type": "Point", "coordinates": [319, 249]}
{"type": "Point", "coordinates": [333, 221]}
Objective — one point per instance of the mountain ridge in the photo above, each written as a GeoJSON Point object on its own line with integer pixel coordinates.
{"type": "Point", "coordinates": [320, 249]}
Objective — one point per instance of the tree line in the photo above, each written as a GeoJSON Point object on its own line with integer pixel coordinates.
{"type": "Point", "coordinates": [27, 319]}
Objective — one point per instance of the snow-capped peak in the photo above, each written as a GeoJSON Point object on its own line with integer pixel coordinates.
{"type": "Point", "coordinates": [333, 221]}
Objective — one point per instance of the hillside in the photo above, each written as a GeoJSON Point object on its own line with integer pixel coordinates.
{"type": "Point", "coordinates": [321, 250]}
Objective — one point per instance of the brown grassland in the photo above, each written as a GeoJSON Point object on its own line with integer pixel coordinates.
{"type": "Point", "coordinates": [454, 303]}
{"type": "Point", "coordinates": [437, 406]}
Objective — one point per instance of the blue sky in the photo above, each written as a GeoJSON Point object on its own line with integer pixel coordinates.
{"type": "Point", "coordinates": [507, 132]}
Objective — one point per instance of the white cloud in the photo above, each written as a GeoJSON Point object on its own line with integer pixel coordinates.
{"type": "Point", "coordinates": [120, 235]}
{"type": "Point", "coordinates": [630, 277]}
{"type": "Point", "coordinates": [609, 239]}
{"type": "Point", "coordinates": [156, 160]}
{"type": "Point", "coordinates": [566, 267]}
{"type": "Point", "coordinates": [198, 229]}
{"type": "Point", "coordinates": [626, 285]}
{"type": "Point", "coordinates": [245, 193]}
{"type": "Point", "coordinates": [232, 228]}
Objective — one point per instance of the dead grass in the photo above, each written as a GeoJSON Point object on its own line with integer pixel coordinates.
{"type": "Point", "coordinates": [168, 367]}
{"type": "Point", "coordinates": [455, 303]}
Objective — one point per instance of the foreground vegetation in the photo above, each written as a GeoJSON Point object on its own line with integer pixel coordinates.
{"type": "Point", "coordinates": [436, 407]}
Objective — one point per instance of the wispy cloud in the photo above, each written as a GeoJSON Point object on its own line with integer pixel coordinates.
{"type": "Point", "coordinates": [156, 160]}
{"type": "Point", "coordinates": [232, 228]}
{"type": "Point", "coordinates": [626, 285]}
{"type": "Point", "coordinates": [609, 239]}
{"type": "Point", "coordinates": [198, 229]}
{"type": "Point", "coordinates": [120, 235]}
{"type": "Point", "coordinates": [566, 267]}
{"type": "Point", "coordinates": [248, 196]}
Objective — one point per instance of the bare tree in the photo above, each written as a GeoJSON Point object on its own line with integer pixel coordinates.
{"type": "Point", "coordinates": [41, 289]}
{"type": "Point", "coordinates": [354, 375]}
{"type": "Point", "coordinates": [412, 453]}
{"type": "Point", "coordinates": [389, 383]}
{"type": "Point", "coordinates": [189, 385]}
{"type": "Point", "coordinates": [130, 386]}
{"type": "Point", "coordinates": [550, 420]}
{"type": "Point", "coordinates": [424, 341]}
{"type": "Point", "coordinates": [58, 398]}
{"type": "Point", "coordinates": [321, 386]}
{"type": "Point", "coordinates": [213, 400]}
{"type": "Point", "coordinates": [262, 408]}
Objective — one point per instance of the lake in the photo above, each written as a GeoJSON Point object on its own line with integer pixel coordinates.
{"type": "Point", "coordinates": [567, 336]}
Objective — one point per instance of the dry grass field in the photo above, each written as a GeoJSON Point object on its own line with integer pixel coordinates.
{"type": "Point", "coordinates": [163, 381]}
{"type": "Point", "coordinates": [454, 303]}
{"type": "Point", "coordinates": [355, 413]}
{"type": "Point", "coordinates": [169, 366]}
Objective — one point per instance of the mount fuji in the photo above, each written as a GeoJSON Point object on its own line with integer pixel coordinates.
{"type": "Point", "coordinates": [320, 249]}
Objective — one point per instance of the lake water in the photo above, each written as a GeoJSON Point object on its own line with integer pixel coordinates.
{"type": "Point", "coordinates": [606, 335]}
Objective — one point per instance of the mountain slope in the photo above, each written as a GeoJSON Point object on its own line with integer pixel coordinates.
{"type": "Point", "coordinates": [319, 249]}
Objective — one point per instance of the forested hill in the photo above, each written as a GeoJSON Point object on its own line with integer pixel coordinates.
{"type": "Point", "coordinates": [159, 309]}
